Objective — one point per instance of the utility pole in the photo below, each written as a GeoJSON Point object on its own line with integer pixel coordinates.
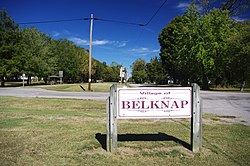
{"type": "Point", "coordinates": [90, 50]}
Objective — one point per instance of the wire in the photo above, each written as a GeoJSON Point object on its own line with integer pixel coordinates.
{"type": "Point", "coordinates": [156, 13]}
{"type": "Point", "coordinates": [116, 21]}
{"type": "Point", "coordinates": [53, 21]}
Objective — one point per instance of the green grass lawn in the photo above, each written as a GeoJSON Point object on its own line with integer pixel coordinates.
{"type": "Point", "coordinates": [95, 87]}
{"type": "Point", "coordinates": [36, 131]}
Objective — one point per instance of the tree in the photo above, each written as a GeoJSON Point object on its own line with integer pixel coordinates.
{"type": "Point", "coordinates": [235, 7]}
{"type": "Point", "coordinates": [176, 41]}
{"type": "Point", "coordinates": [155, 71]}
{"type": "Point", "coordinates": [239, 54]}
{"type": "Point", "coordinates": [210, 51]}
{"type": "Point", "coordinates": [9, 37]}
{"type": "Point", "coordinates": [34, 53]}
{"type": "Point", "coordinates": [113, 72]}
{"type": "Point", "coordinates": [71, 59]}
{"type": "Point", "coordinates": [139, 74]}
{"type": "Point", "coordinates": [193, 46]}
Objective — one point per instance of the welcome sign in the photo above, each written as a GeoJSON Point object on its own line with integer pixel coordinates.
{"type": "Point", "coordinates": [154, 102]}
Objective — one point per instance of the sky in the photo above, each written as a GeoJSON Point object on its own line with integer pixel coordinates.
{"type": "Point", "coordinates": [112, 41]}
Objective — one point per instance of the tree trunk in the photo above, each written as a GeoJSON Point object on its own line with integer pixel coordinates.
{"type": "Point", "coordinates": [29, 80]}
{"type": "Point", "coordinates": [242, 86]}
{"type": "Point", "coordinates": [2, 81]}
{"type": "Point", "coordinates": [205, 85]}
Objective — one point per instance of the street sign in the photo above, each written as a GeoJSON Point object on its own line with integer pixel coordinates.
{"type": "Point", "coordinates": [122, 72]}
{"type": "Point", "coordinates": [60, 73]}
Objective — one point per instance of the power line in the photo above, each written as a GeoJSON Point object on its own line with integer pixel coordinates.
{"type": "Point", "coordinates": [117, 21]}
{"type": "Point", "coordinates": [52, 21]}
{"type": "Point", "coordinates": [79, 19]}
{"type": "Point", "coordinates": [155, 13]}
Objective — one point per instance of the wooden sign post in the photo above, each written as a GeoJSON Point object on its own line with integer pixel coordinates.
{"type": "Point", "coordinates": [157, 102]}
{"type": "Point", "coordinates": [112, 120]}
{"type": "Point", "coordinates": [196, 120]}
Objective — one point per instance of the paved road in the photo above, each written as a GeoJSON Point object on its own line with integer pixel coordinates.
{"type": "Point", "coordinates": [227, 104]}
{"type": "Point", "coordinates": [42, 93]}
{"type": "Point", "coordinates": [220, 103]}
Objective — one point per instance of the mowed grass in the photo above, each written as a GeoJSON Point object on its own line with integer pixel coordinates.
{"type": "Point", "coordinates": [95, 87]}
{"type": "Point", "coordinates": [36, 131]}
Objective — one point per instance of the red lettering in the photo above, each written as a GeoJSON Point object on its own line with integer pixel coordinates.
{"type": "Point", "coordinates": [143, 105]}
{"type": "Point", "coordinates": [136, 105]}
{"type": "Point", "coordinates": [183, 102]}
{"type": "Point", "coordinates": [174, 104]}
{"type": "Point", "coordinates": [164, 105]}
{"type": "Point", "coordinates": [154, 103]}
{"type": "Point", "coordinates": [125, 104]}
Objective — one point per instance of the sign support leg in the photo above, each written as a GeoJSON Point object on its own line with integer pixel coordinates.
{"type": "Point", "coordinates": [108, 124]}
{"type": "Point", "coordinates": [196, 120]}
{"type": "Point", "coordinates": [112, 120]}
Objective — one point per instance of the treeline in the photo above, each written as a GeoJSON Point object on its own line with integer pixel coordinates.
{"type": "Point", "coordinates": [208, 48]}
{"type": "Point", "coordinates": [35, 53]}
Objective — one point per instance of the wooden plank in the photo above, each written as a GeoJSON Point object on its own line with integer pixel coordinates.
{"type": "Point", "coordinates": [113, 118]}
{"type": "Point", "coordinates": [108, 124]}
{"type": "Point", "coordinates": [196, 121]}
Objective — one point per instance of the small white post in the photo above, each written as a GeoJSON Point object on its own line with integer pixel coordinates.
{"type": "Point", "coordinates": [23, 79]}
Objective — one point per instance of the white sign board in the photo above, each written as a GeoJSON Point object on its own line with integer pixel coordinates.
{"type": "Point", "coordinates": [60, 73]}
{"type": "Point", "coordinates": [122, 72]}
{"type": "Point", "coordinates": [154, 103]}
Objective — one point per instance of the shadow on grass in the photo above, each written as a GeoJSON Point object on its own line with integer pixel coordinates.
{"type": "Point", "coordinates": [142, 137]}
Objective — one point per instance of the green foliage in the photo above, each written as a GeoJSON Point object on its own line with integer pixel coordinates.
{"type": "Point", "coordinates": [9, 36]}
{"type": "Point", "coordinates": [175, 41]}
{"type": "Point", "coordinates": [196, 48]}
{"type": "Point", "coordinates": [239, 54]}
{"type": "Point", "coordinates": [34, 53]}
{"type": "Point", "coordinates": [139, 74]}
{"type": "Point", "coordinates": [155, 71]}
{"type": "Point", "coordinates": [107, 73]}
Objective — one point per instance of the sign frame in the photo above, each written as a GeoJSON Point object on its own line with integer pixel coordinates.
{"type": "Point", "coordinates": [112, 118]}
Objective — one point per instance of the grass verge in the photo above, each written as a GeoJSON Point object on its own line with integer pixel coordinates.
{"type": "Point", "coordinates": [95, 87]}
{"type": "Point", "coordinates": [72, 132]}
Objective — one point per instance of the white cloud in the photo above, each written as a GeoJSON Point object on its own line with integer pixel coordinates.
{"type": "Point", "coordinates": [238, 19]}
{"type": "Point", "coordinates": [101, 42]}
{"type": "Point", "coordinates": [83, 42]}
{"type": "Point", "coordinates": [79, 41]}
{"type": "Point", "coordinates": [120, 43]}
{"type": "Point", "coordinates": [182, 5]}
{"type": "Point", "coordinates": [144, 51]}
{"type": "Point", "coordinates": [55, 34]}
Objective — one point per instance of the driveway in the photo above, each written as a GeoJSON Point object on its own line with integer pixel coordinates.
{"type": "Point", "coordinates": [220, 103]}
